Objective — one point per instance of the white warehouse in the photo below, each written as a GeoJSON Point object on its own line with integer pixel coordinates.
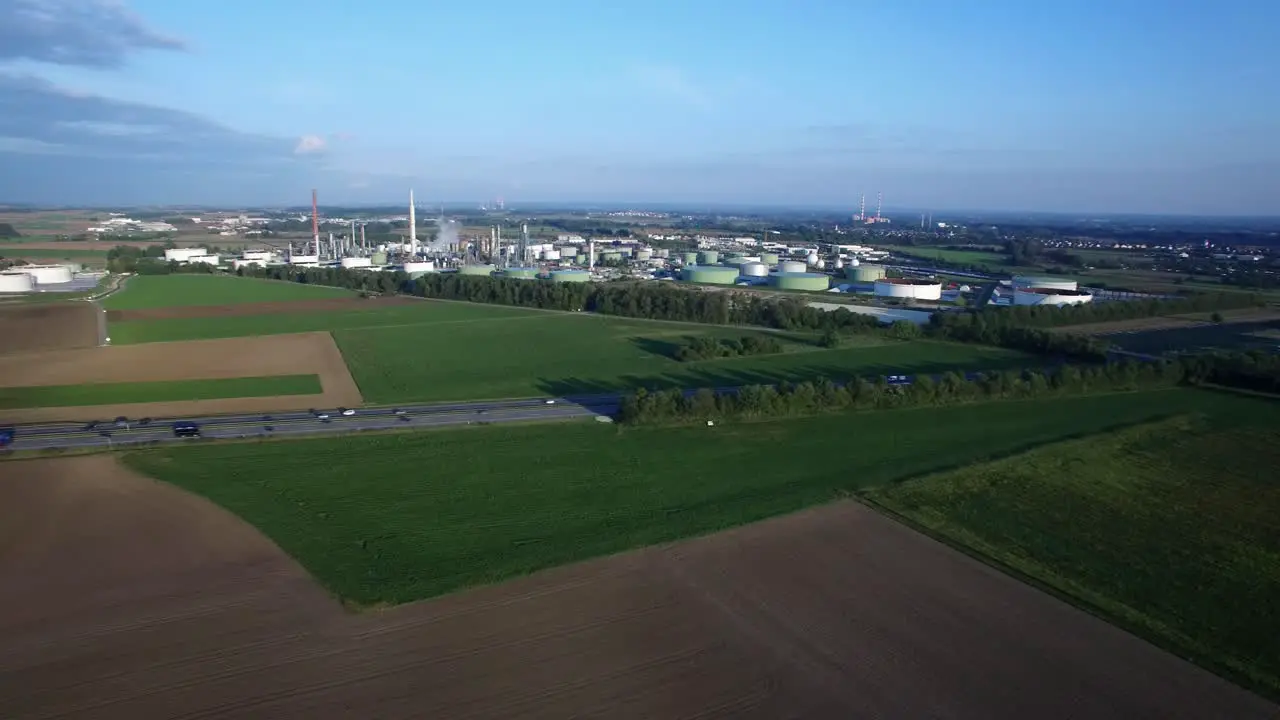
{"type": "Point", "coordinates": [1025, 282]}
{"type": "Point", "coordinates": [1050, 296]}
{"type": "Point", "coordinates": [183, 255]}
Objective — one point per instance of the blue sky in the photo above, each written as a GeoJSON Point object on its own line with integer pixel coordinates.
{"type": "Point", "coordinates": [1119, 106]}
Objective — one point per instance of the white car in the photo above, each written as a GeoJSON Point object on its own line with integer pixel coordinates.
{"type": "Point", "coordinates": [346, 412]}
{"type": "Point", "coordinates": [551, 402]}
{"type": "Point", "coordinates": [322, 416]}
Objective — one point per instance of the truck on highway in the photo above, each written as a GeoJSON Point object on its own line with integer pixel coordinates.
{"type": "Point", "coordinates": [186, 429]}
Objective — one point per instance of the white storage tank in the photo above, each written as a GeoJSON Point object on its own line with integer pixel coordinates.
{"type": "Point", "coordinates": [908, 288]}
{"type": "Point", "coordinates": [47, 274]}
{"type": "Point", "coordinates": [1050, 296]}
{"type": "Point", "coordinates": [305, 259]}
{"type": "Point", "coordinates": [1048, 283]}
{"type": "Point", "coordinates": [356, 262]}
{"type": "Point", "coordinates": [419, 267]}
{"type": "Point", "coordinates": [550, 254]}
{"type": "Point", "coordinates": [754, 269]}
{"type": "Point", "coordinates": [184, 254]}
{"type": "Point", "coordinates": [568, 251]}
{"type": "Point", "coordinates": [206, 259]}
{"type": "Point", "coordinates": [16, 282]}
{"type": "Point", "coordinates": [792, 266]}
{"type": "Point", "coordinates": [812, 259]}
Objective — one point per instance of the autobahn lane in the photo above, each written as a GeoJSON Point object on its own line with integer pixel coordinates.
{"type": "Point", "coordinates": [323, 421]}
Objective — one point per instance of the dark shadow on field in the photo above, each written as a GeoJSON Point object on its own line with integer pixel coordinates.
{"type": "Point", "coordinates": [1225, 336]}
{"type": "Point", "coordinates": [665, 347]}
{"type": "Point", "coordinates": [732, 374]}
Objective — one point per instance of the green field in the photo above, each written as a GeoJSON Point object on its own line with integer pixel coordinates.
{"type": "Point", "coordinates": [71, 253]}
{"type": "Point", "coordinates": [396, 517]}
{"type": "Point", "coordinates": [557, 354]}
{"type": "Point", "coordinates": [1173, 529]}
{"type": "Point", "coordinates": [158, 291]}
{"type": "Point", "coordinates": [38, 396]}
{"type": "Point", "coordinates": [993, 261]}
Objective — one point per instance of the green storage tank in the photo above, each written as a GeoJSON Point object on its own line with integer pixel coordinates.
{"type": "Point", "coordinates": [611, 257]}
{"type": "Point", "coordinates": [769, 258]}
{"type": "Point", "coordinates": [570, 276]}
{"type": "Point", "coordinates": [710, 274]}
{"type": "Point", "coordinates": [521, 273]}
{"type": "Point", "coordinates": [378, 258]}
{"type": "Point", "coordinates": [800, 281]}
{"type": "Point", "coordinates": [485, 270]}
{"type": "Point", "coordinates": [708, 257]}
{"type": "Point", "coordinates": [864, 273]}
{"type": "Point", "coordinates": [689, 258]}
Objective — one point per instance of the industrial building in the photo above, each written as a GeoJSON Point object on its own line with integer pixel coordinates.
{"type": "Point", "coordinates": [911, 288]}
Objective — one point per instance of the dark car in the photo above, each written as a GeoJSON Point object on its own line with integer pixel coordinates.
{"type": "Point", "coordinates": [6, 436]}
{"type": "Point", "coordinates": [186, 429]}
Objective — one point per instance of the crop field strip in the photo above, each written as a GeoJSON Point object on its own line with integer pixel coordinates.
{"type": "Point", "coordinates": [150, 291]}
{"type": "Point", "coordinates": [508, 501]}
{"type": "Point", "coordinates": [35, 396]}
{"type": "Point", "coordinates": [1167, 528]}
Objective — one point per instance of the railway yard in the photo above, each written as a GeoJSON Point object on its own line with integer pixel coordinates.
{"type": "Point", "coordinates": [316, 556]}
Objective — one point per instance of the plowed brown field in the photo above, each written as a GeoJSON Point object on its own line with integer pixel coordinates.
{"type": "Point", "coordinates": [43, 327]}
{"type": "Point", "coordinates": [125, 598]}
{"type": "Point", "coordinates": [297, 354]}
{"type": "Point", "coordinates": [263, 308]}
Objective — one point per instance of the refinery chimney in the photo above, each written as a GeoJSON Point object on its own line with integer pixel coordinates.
{"type": "Point", "coordinates": [315, 222]}
{"type": "Point", "coordinates": [413, 228]}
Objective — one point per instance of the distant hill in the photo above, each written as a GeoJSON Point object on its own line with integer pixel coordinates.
{"type": "Point", "coordinates": [8, 231]}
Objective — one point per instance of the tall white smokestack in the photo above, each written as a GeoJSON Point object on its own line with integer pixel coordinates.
{"type": "Point", "coordinates": [413, 228]}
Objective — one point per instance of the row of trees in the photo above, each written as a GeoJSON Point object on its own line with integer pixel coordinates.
{"type": "Point", "coordinates": [823, 395]}
{"type": "Point", "coordinates": [706, 348]}
{"type": "Point", "coordinates": [1052, 316]}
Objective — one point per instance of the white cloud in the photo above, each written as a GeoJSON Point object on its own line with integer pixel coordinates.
{"type": "Point", "coordinates": [94, 33]}
{"type": "Point", "coordinates": [310, 145]}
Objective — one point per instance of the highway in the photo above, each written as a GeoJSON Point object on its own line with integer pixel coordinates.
{"type": "Point", "coordinates": [109, 432]}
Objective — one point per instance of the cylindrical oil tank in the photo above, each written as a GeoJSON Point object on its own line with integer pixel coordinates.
{"type": "Point", "coordinates": [419, 267]}
{"type": "Point", "coordinates": [378, 258]}
{"type": "Point", "coordinates": [644, 255]}
{"type": "Point", "coordinates": [908, 288]}
{"type": "Point", "coordinates": [485, 270]}
{"type": "Point", "coordinates": [754, 269]}
{"type": "Point", "coordinates": [582, 259]}
{"type": "Point", "coordinates": [570, 276]}
{"type": "Point", "coordinates": [769, 258]}
{"type": "Point", "coordinates": [48, 274]}
{"type": "Point", "coordinates": [522, 273]}
{"type": "Point", "coordinates": [1048, 283]}
{"type": "Point", "coordinates": [708, 257]}
{"type": "Point", "coordinates": [1050, 296]}
{"type": "Point", "coordinates": [792, 266]}
{"type": "Point", "coordinates": [710, 274]}
{"type": "Point", "coordinates": [611, 257]}
{"type": "Point", "coordinates": [864, 273]}
{"type": "Point", "coordinates": [800, 281]}
{"type": "Point", "coordinates": [689, 258]}
{"type": "Point", "coordinates": [550, 254]}
{"type": "Point", "coordinates": [356, 262]}
{"type": "Point", "coordinates": [16, 282]}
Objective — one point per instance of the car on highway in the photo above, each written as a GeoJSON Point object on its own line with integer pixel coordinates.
{"type": "Point", "coordinates": [122, 421]}
{"type": "Point", "coordinates": [6, 436]}
{"type": "Point", "coordinates": [322, 417]}
{"type": "Point", "coordinates": [397, 411]}
{"type": "Point", "coordinates": [551, 402]}
{"type": "Point", "coordinates": [185, 429]}
{"type": "Point", "coordinates": [346, 412]}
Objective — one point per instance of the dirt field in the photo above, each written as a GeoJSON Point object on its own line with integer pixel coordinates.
{"type": "Point", "coordinates": [295, 354]}
{"type": "Point", "coordinates": [264, 308]}
{"type": "Point", "coordinates": [45, 327]}
{"type": "Point", "coordinates": [136, 600]}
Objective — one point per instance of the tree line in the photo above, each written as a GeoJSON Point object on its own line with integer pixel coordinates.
{"type": "Point", "coordinates": [706, 348]}
{"type": "Point", "coordinates": [952, 388]}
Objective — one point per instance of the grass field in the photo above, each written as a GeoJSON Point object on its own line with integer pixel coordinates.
{"type": "Point", "coordinates": [424, 314]}
{"type": "Point", "coordinates": [38, 396]}
{"type": "Point", "coordinates": [1240, 336]}
{"type": "Point", "coordinates": [397, 517]}
{"type": "Point", "coordinates": [1170, 528]}
{"type": "Point", "coordinates": [156, 291]}
{"type": "Point", "coordinates": [993, 261]}
{"type": "Point", "coordinates": [561, 354]}
{"type": "Point", "coordinates": [71, 253]}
